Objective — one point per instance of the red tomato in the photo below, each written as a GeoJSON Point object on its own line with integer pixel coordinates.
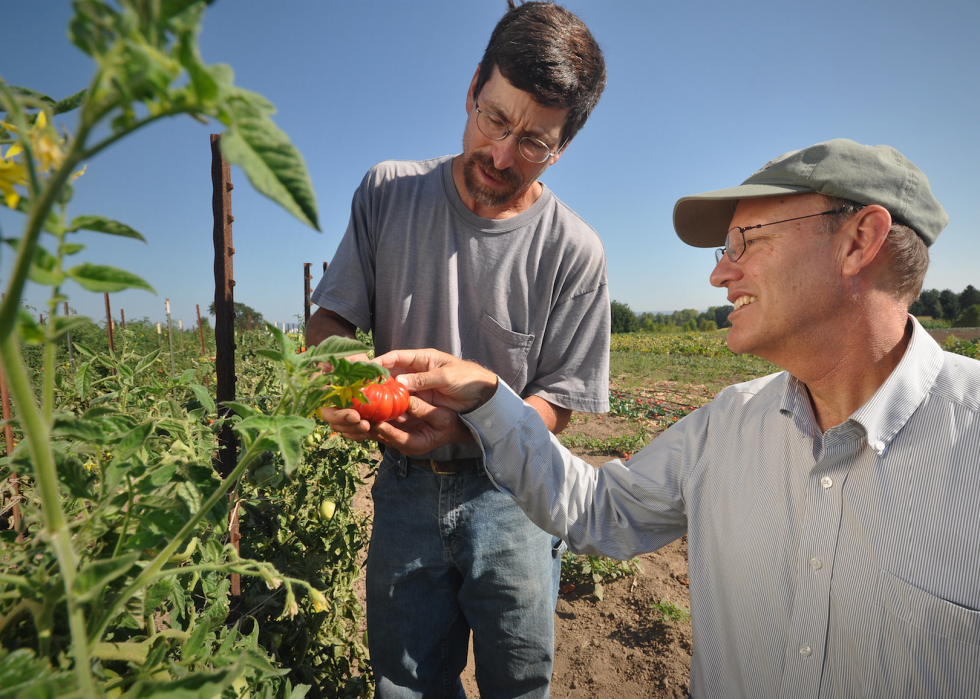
{"type": "Point", "coordinates": [386, 401]}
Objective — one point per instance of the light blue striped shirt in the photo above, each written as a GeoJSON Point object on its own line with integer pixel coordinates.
{"type": "Point", "coordinates": [844, 564]}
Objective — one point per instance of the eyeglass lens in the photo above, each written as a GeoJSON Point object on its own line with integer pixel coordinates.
{"type": "Point", "coordinates": [734, 246]}
{"type": "Point", "coordinates": [493, 128]}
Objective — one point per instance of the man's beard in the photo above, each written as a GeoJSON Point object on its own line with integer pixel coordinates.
{"type": "Point", "coordinates": [494, 198]}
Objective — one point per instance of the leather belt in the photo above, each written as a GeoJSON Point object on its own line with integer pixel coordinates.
{"type": "Point", "coordinates": [450, 467]}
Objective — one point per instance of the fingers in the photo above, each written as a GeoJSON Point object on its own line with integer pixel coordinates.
{"type": "Point", "coordinates": [346, 422]}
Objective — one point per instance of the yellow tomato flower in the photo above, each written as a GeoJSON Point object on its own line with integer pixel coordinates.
{"type": "Point", "coordinates": [44, 141]}
{"type": "Point", "coordinates": [319, 601]}
{"type": "Point", "coordinates": [347, 394]}
{"type": "Point", "coordinates": [11, 175]}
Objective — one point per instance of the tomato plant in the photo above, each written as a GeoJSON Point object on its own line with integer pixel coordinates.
{"type": "Point", "coordinates": [385, 401]}
{"type": "Point", "coordinates": [116, 582]}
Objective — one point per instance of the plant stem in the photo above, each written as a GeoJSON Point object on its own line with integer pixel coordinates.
{"type": "Point", "coordinates": [37, 434]}
{"type": "Point", "coordinates": [150, 572]}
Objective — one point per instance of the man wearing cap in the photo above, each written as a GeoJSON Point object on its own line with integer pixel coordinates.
{"type": "Point", "coordinates": [833, 509]}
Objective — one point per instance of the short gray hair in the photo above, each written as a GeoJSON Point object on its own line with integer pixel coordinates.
{"type": "Point", "coordinates": [907, 253]}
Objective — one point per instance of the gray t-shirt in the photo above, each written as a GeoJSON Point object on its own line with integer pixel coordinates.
{"type": "Point", "coordinates": [524, 296]}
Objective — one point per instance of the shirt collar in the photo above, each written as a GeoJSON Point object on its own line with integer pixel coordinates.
{"type": "Point", "coordinates": [887, 411]}
{"type": "Point", "coordinates": [891, 406]}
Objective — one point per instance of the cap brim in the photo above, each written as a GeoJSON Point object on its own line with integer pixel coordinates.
{"type": "Point", "coordinates": [703, 220]}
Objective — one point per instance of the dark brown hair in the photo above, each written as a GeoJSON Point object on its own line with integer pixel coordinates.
{"type": "Point", "coordinates": [548, 52]}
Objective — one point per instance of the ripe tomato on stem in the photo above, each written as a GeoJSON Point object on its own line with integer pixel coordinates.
{"type": "Point", "coordinates": [386, 401]}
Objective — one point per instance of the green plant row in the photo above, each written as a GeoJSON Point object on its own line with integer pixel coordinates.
{"type": "Point", "coordinates": [689, 344]}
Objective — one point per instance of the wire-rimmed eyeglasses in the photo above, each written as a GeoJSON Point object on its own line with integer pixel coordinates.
{"type": "Point", "coordinates": [496, 129]}
{"type": "Point", "coordinates": [735, 240]}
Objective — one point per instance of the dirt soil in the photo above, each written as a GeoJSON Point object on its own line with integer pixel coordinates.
{"type": "Point", "coordinates": [617, 647]}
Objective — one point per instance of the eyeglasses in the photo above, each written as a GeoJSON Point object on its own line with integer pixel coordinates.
{"type": "Point", "coordinates": [735, 240]}
{"type": "Point", "coordinates": [496, 129]}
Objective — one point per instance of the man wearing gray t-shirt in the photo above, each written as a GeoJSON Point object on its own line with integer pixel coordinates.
{"type": "Point", "coordinates": [472, 254]}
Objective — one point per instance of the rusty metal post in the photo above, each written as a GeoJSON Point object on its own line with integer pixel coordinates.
{"type": "Point", "coordinates": [200, 328]}
{"type": "Point", "coordinates": [224, 324]}
{"type": "Point", "coordinates": [307, 277]}
{"type": "Point", "coordinates": [324, 266]}
{"type": "Point", "coordinates": [108, 322]}
{"type": "Point", "coordinates": [122, 318]}
{"type": "Point", "coordinates": [8, 436]}
{"type": "Point", "coordinates": [71, 351]}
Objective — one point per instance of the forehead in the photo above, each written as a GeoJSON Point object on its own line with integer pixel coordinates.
{"type": "Point", "coordinates": [519, 108]}
{"type": "Point", "coordinates": [767, 209]}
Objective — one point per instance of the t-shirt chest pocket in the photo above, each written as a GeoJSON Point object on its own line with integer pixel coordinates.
{"type": "Point", "coordinates": [499, 349]}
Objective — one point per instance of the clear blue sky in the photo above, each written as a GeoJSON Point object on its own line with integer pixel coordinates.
{"type": "Point", "coordinates": [700, 95]}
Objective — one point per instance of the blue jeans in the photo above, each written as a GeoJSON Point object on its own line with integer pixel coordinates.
{"type": "Point", "coordinates": [451, 554]}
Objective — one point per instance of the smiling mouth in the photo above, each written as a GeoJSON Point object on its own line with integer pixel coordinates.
{"type": "Point", "coordinates": [744, 301]}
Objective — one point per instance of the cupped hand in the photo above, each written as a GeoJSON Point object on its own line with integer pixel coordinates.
{"type": "Point", "coordinates": [426, 428]}
{"type": "Point", "coordinates": [445, 380]}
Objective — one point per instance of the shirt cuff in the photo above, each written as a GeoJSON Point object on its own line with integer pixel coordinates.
{"type": "Point", "coordinates": [493, 420]}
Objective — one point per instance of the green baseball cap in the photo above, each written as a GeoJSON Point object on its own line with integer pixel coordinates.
{"type": "Point", "coordinates": [839, 168]}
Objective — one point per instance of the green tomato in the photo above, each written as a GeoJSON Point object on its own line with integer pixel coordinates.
{"type": "Point", "coordinates": [327, 509]}
{"type": "Point", "coordinates": [310, 440]}
{"type": "Point", "coordinates": [265, 473]}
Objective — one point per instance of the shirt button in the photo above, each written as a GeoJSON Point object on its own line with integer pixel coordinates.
{"type": "Point", "coordinates": [488, 423]}
{"type": "Point", "coordinates": [826, 481]}
{"type": "Point", "coordinates": [805, 650]}
{"type": "Point", "coordinates": [879, 446]}
{"type": "Point", "coordinates": [816, 563]}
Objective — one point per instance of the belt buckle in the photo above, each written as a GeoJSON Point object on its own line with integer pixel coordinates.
{"type": "Point", "coordinates": [435, 469]}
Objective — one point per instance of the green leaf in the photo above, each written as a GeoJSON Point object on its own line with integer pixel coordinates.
{"type": "Point", "coordinates": [291, 447]}
{"type": "Point", "coordinates": [157, 593]}
{"type": "Point", "coordinates": [43, 265]}
{"type": "Point", "coordinates": [338, 347]}
{"type": "Point", "coordinates": [31, 95]}
{"type": "Point", "coordinates": [203, 396]}
{"type": "Point", "coordinates": [264, 152]}
{"type": "Point", "coordinates": [186, 376]}
{"type": "Point", "coordinates": [75, 477]}
{"type": "Point", "coordinates": [93, 27]}
{"type": "Point", "coordinates": [83, 379]}
{"type": "Point", "coordinates": [63, 325]}
{"type": "Point", "coordinates": [163, 474]}
{"type": "Point", "coordinates": [83, 349]}
{"type": "Point", "coordinates": [133, 440]}
{"type": "Point", "coordinates": [76, 428]}
{"type": "Point", "coordinates": [28, 328]}
{"type": "Point", "coordinates": [145, 362]}
{"type": "Point", "coordinates": [71, 248]}
{"type": "Point", "coordinates": [101, 224]}
{"type": "Point", "coordinates": [105, 278]}
{"type": "Point", "coordinates": [274, 355]}
{"type": "Point", "coordinates": [240, 408]}
{"type": "Point", "coordinates": [69, 103]}
{"type": "Point", "coordinates": [97, 574]}
{"type": "Point", "coordinates": [195, 642]}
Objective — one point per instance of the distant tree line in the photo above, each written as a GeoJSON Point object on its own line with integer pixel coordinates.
{"type": "Point", "coordinates": [624, 320]}
{"type": "Point", "coordinates": [961, 310]}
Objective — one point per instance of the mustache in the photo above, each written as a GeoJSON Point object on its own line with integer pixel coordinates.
{"type": "Point", "coordinates": [486, 162]}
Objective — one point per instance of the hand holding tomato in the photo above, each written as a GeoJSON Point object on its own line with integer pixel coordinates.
{"type": "Point", "coordinates": [386, 401]}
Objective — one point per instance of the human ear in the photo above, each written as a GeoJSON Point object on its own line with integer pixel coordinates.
{"type": "Point", "coordinates": [864, 235]}
{"type": "Point", "coordinates": [470, 97]}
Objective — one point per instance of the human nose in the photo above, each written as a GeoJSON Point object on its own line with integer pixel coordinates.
{"type": "Point", "coordinates": [725, 272]}
{"type": "Point", "coordinates": [505, 152]}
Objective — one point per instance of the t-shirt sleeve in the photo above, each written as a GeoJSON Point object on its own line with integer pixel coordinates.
{"type": "Point", "coordinates": [347, 287]}
{"type": "Point", "coordinates": [573, 370]}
